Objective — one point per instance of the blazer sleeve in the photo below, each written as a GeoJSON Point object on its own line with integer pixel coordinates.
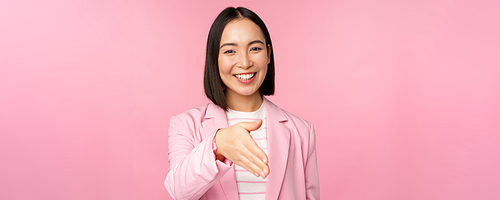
{"type": "Point", "coordinates": [193, 167]}
{"type": "Point", "coordinates": [311, 169]}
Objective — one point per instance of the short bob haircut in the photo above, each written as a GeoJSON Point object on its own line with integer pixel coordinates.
{"type": "Point", "coordinates": [214, 87]}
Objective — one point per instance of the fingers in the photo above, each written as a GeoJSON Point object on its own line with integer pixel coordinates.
{"type": "Point", "coordinates": [252, 160]}
{"type": "Point", "coordinates": [257, 156]}
{"type": "Point", "coordinates": [251, 167]}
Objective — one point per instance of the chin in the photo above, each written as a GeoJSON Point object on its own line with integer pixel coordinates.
{"type": "Point", "coordinates": [247, 92]}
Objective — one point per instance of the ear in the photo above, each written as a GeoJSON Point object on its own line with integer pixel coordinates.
{"type": "Point", "coordinates": [268, 53]}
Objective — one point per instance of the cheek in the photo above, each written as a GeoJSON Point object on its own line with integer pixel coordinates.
{"type": "Point", "coordinates": [224, 66]}
{"type": "Point", "coordinates": [262, 62]}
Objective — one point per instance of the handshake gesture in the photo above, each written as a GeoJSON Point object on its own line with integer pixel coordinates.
{"type": "Point", "coordinates": [236, 144]}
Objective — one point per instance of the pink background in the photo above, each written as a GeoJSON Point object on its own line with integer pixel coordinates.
{"type": "Point", "coordinates": [404, 95]}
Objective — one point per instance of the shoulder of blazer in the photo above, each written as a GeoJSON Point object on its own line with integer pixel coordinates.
{"type": "Point", "coordinates": [192, 115]}
{"type": "Point", "coordinates": [290, 120]}
{"type": "Point", "coordinates": [200, 114]}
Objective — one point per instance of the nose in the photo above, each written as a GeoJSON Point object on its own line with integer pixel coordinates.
{"type": "Point", "coordinates": [245, 61]}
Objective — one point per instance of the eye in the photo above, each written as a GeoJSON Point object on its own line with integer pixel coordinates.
{"type": "Point", "coordinates": [229, 51]}
{"type": "Point", "coordinates": [256, 49]}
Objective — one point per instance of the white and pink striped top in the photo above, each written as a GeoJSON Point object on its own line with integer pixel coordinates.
{"type": "Point", "coordinates": [250, 187]}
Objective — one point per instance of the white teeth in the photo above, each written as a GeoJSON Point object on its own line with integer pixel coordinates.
{"type": "Point", "coordinates": [244, 77]}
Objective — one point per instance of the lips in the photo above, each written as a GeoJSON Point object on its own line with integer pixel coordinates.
{"type": "Point", "coordinates": [245, 77]}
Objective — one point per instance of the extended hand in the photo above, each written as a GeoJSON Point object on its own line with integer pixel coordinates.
{"type": "Point", "coordinates": [236, 144]}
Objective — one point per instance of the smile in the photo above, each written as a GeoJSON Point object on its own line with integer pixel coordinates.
{"type": "Point", "coordinates": [244, 77]}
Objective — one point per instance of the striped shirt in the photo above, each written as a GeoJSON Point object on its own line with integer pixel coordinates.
{"type": "Point", "coordinates": [250, 187]}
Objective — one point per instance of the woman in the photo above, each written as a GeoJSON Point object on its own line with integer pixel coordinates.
{"type": "Point", "coordinates": [241, 145]}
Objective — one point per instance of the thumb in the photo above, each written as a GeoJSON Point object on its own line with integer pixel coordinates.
{"type": "Point", "coordinates": [251, 126]}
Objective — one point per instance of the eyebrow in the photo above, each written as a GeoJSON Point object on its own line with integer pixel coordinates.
{"type": "Point", "coordinates": [234, 44]}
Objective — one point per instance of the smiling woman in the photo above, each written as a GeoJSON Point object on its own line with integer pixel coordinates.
{"type": "Point", "coordinates": [240, 146]}
{"type": "Point", "coordinates": [243, 60]}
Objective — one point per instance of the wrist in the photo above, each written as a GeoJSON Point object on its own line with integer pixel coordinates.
{"type": "Point", "coordinates": [216, 151]}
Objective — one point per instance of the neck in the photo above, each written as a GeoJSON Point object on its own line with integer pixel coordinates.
{"type": "Point", "coordinates": [242, 103]}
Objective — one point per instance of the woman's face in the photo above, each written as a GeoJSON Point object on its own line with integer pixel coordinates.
{"type": "Point", "coordinates": [243, 57]}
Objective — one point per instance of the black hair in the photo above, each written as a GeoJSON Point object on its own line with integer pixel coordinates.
{"type": "Point", "coordinates": [214, 87]}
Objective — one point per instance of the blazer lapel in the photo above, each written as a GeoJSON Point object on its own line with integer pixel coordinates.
{"type": "Point", "coordinates": [215, 118]}
{"type": "Point", "coordinates": [278, 139]}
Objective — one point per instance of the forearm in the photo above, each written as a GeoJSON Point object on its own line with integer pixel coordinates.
{"type": "Point", "coordinates": [196, 173]}
{"type": "Point", "coordinates": [194, 168]}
